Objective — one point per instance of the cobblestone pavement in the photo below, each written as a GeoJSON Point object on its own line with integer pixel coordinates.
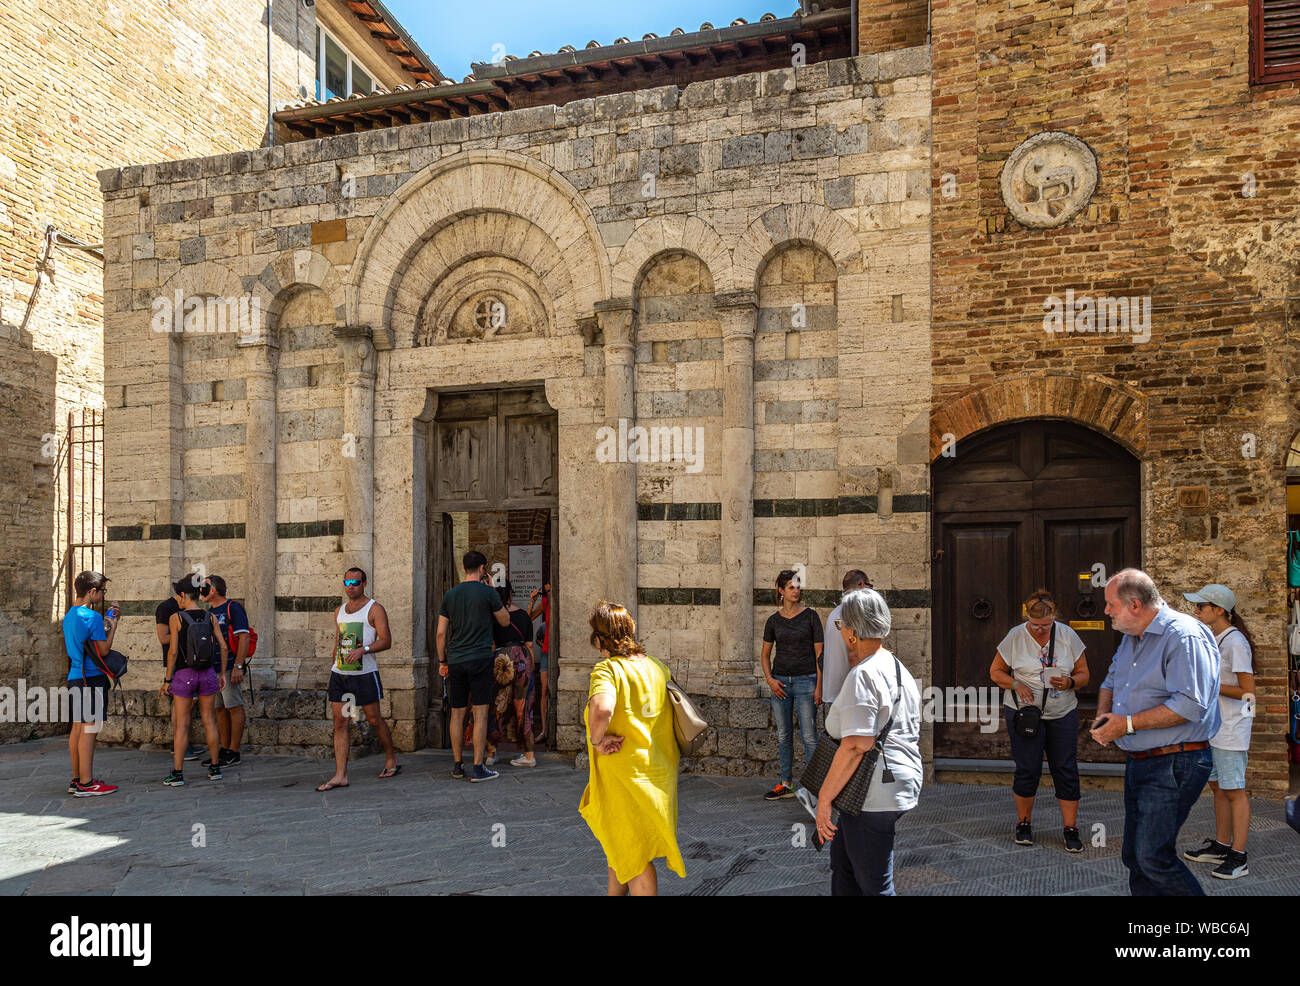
{"type": "Point", "coordinates": [268, 832]}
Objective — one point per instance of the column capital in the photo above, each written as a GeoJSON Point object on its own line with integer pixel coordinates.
{"type": "Point", "coordinates": [356, 348]}
{"type": "Point", "coordinates": [264, 354]}
{"type": "Point", "coordinates": [614, 316]}
{"type": "Point", "coordinates": [733, 300]}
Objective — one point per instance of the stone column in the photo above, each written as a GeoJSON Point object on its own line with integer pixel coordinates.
{"type": "Point", "coordinates": [738, 313]}
{"type": "Point", "coordinates": [358, 445]}
{"type": "Point", "coordinates": [615, 317]}
{"type": "Point", "coordinates": [259, 519]}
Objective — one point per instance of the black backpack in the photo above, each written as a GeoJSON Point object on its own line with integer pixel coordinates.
{"type": "Point", "coordinates": [199, 649]}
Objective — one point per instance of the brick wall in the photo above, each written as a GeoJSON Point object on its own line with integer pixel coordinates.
{"type": "Point", "coordinates": [1160, 92]}
{"type": "Point", "coordinates": [85, 87]}
{"type": "Point", "coordinates": [884, 25]}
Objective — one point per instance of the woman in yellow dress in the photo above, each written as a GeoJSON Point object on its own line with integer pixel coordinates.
{"type": "Point", "coordinates": [631, 796]}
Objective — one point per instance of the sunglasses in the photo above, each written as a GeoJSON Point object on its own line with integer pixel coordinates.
{"type": "Point", "coordinates": [351, 582]}
{"type": "Point", "coordinates": [1201, 606]}
{"type": "Point", "coordinates": [205, 590]}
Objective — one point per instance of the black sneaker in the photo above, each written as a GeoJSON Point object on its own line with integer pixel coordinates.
{"type": "Point", "coordinates": [214, 772]}
{"type": "Point", "coordinates": [458, 770]}
{"type": "Point", "coordinates": [1024, 834]}
{"type": "Point", "coordinates": [1209, 851]}
{"type": "Point", "coordinates": [481, 773]}
{"type": "Point", "coordinates": [225, 758]}
{"type": "Point", "coordinates": [1072, 841]}
{"type": "Point", "coordinates": [72, 786]}
{"type": "Point", "coordinates": [193, 751]}
{"type": "Point", "coordinates": [1233, 866]}
{"type": "Point", "coordinates": [779, 792]}
{"type": "Point", "coordinates": [174, 779]}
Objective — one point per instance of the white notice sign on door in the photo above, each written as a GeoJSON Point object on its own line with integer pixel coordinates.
{"type": "Point", "coordinates": [525, 571]}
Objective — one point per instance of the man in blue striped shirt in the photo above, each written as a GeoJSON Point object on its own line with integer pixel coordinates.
{"type": "Point", "coordinates": [1159, 704]}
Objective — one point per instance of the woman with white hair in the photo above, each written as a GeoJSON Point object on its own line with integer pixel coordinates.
{"type": "Point", "coordinates": [878, 698]}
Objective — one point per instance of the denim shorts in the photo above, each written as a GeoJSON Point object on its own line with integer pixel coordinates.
{"type": "Point", "coordinates": [1229, 768]}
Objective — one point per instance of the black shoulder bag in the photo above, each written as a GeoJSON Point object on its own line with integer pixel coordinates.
{"type": "Point", "coordinates": [854, 794]}
{"type": "Point", "coordinates": [1029, 718]}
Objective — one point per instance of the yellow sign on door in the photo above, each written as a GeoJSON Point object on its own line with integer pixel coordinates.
{"type": "Point", "coordinates": [1087, 624]}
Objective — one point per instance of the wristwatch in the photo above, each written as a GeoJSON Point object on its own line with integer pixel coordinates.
{"type": "Point", "coordinates": [1130, 725]}
{"type": "Point", "coordinates": [242, 667]}
{"type": "Point", "coordinates": [365, 649]}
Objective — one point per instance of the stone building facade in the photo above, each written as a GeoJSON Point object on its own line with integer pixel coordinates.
{"type": "Point", "coordinates": [722, 264]}
{"type": "Point", "coordinates": [84, 86]}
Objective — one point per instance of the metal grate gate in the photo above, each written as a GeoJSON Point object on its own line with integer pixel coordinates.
{"type": "Point", "coordinates": [81, 478]}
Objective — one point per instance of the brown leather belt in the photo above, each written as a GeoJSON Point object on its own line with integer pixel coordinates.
{"type": "Point", "coordinates": [1161, 751]}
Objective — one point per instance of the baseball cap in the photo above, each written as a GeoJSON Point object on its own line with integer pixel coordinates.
{"type": "Point", "coordinates": [1218, 595]}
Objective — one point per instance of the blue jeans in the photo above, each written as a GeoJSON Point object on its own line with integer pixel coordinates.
{"type": "Point", "coordinates": [862, 855]}
{"type": "Point", "coordinates": [1158, 794]}
{"type": "Point", "coordinates": [798, 692]}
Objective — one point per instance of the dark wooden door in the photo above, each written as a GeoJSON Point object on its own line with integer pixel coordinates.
{"type": "Point", "coordinates": [1037, 503]}
{"type": "Point", "coordinates": [489, 450]}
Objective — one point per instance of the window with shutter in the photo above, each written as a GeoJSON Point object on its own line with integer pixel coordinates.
{"type": "Point", "coordinates": [1274, 40]}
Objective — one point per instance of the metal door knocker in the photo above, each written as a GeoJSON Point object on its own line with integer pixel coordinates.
{"type": "Point", "coordinates": [1086, 606]}
{"type": "Point", "coordinates": [981, 608]}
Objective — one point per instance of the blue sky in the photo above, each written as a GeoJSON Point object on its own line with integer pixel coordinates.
{"type": "Point", "coordinates": [455, 34]}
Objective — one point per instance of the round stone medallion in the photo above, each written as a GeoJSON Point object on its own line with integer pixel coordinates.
{"type": "Point", "coordinates": [1049, 179]}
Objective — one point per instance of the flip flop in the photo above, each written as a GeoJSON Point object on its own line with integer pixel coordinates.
{"type": "Point", "coordinates": [329, 786]}
{"type": "Point", "coordinates": [391, 771]}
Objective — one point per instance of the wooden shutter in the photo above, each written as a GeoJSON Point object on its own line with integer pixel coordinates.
{"type": "Point", "coordinates": [1274, 40]}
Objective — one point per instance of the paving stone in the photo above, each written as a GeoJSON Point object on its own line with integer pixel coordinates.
{"type": "Point", "coordinates": [424, 834]}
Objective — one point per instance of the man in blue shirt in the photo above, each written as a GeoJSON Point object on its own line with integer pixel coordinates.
{"type": "Point", "coordinates": [1159, 704]}
{"type": "Point", "coordinates": [83, 627]}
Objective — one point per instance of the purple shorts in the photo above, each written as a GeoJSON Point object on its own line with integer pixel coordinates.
{"type": "Point", "coordinates": [188, 682]}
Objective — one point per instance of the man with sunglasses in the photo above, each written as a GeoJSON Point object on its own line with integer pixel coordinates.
{"type": "Point", "coordinates": [354, 683]}
{"type": "Point", "coordinates": [233, 622]}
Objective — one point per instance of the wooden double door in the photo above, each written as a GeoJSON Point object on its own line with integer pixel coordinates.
{"type": "Point", "coordinates": [1033, 504]}
{"type": "Point", "coordinates": [489, 450]}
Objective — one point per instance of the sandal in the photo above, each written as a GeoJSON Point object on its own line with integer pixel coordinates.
{"type": "Point", "coordinates": [330, 786]}
{"type": "Point", "coordinates": [391, 771]}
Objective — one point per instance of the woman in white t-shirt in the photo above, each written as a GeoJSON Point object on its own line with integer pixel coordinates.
{"type": "Point", "coordinates": [877, 691]}
{"type": "Point", "coordinates": [1042, 662]}
{"type": "Point", "coordinates": [1216, 608]}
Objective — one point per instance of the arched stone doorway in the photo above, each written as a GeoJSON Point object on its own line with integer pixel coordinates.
{"type": "Point", "coordinates": [1041, 502]}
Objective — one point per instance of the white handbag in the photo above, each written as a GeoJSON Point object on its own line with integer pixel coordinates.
{"type": "Point", "coordinates": [1293, 631]}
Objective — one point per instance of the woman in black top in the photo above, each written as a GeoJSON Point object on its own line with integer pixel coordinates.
{"type": "Point", "coordinates": [795, 676]}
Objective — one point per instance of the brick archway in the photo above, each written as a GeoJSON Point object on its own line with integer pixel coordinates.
{"type": "Point", "coordinates": [1100, 403]}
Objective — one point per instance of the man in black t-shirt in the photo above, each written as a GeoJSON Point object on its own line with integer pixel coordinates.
{"type": "Point", "coordinates": [465, 658]}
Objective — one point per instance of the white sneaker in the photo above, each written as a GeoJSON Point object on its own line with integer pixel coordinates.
{"type": "Point", "coordinates": [522, 761]}
{"type": "Point", "coordinates": [490, 761]}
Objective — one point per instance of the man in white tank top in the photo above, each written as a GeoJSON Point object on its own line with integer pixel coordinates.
{"type": "Point", "coordinates": [354, 682]}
